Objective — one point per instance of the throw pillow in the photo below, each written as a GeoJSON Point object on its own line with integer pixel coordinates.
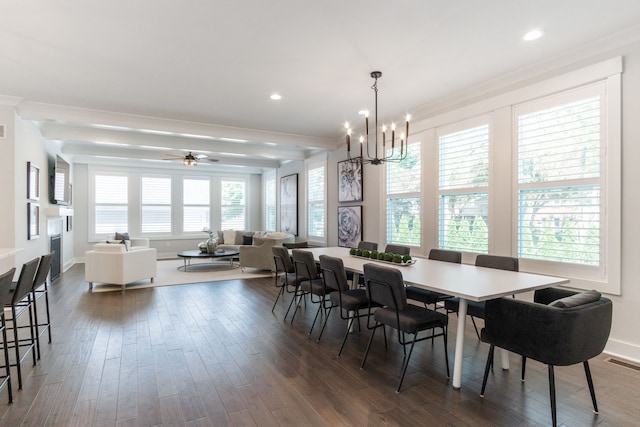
{"type": "Point", "coordinates": [229, 237]}
{"type": "Point", "coordinates": [577, 299]}
{"type": "Point", "coordinates": [122, 236]}
{"type": "Point", "coordinates": [247, 240]}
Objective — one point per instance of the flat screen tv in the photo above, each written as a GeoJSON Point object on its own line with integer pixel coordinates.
{"type": "Point", "coordinates": [59, 185]}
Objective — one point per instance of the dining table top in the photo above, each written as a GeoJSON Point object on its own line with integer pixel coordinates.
{"type": "Point", "coordinates": [460, 280]}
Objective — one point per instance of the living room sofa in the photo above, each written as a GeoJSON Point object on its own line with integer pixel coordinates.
{"type": "Point", "coordinates": [254, 246]}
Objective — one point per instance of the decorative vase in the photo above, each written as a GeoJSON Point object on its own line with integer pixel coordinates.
{"type": "Point", "coordinates": [203, 247]}
{"type": "Point", "coordinates": [211, 245]}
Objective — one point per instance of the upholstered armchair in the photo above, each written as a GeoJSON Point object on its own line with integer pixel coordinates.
{"type": "Point", "coordinates": [559, 328]}
{"type": "Point", "coordinates": [259, 254]}
{"type": "Point", "coordinates": [115, 264]}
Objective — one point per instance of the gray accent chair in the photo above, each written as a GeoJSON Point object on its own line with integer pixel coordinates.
{"type": "Point", "coordinates": [560, 328]}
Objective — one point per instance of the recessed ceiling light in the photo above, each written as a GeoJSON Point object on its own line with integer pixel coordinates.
{"type": "Point", "coordinates": [233, 154]}
{"type": "Point", "coordinates": [193, 135]}
{"type": "Point", "coordinates": [533, 35]}
{"type": "Point", "coordinates": [111, 143]}
{"type": "Point", "coordinates": [276, 96]}
{"type": "Point", "coordinates": [155, 147]}
{"type": "Point", "coordinates": [270, 143]}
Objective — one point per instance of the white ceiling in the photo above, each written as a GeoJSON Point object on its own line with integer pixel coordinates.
{"type": "Point", "coordinates": [208, 67]}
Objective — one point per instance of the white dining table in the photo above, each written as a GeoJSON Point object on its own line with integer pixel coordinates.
{"type": "Point", "coordinates": [467, 282]}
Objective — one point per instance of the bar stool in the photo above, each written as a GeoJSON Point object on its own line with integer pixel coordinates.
{"type": "Point", "coordinates": [19, 303]}
{"type": "Point", "coordinates": [5, 288]}
{"type": "Point", "coordinates": [41, 289]}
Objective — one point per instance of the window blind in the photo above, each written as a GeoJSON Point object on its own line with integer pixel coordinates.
{"type": "Point", "coordinates": [316, 200]}
{"type": "Point", "coordinates": [196, 209]}
{"type": "Point", "coordinates": [233, 205]}
{"type": "Point", "coordinates": [403, 186]}
{"type": "Point", "coordinates": [156, 204]}
{"type": "Point", "coordinates": [559, 194]}
{"type": "Point", "coordinates": [111, 199]}
{"type": "Point", "coordinates": [463, 176]}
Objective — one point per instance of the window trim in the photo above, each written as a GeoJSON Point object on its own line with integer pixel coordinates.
{"type": "Point", "coordinates": [314, 163]}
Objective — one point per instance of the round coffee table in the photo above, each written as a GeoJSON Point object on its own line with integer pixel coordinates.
{"type": "Point", "coordinates": [187, 256]}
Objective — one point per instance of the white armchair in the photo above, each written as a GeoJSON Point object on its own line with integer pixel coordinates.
{"type": "Point", "coordinates": [114, 264]}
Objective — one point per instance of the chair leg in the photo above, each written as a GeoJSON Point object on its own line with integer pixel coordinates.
{"type": "Point", "coordinates": [552, 396]}
{"type": "Point", "coordinates": [524, 366]}
{"type": "Point", "coordinates": [295, 293]}
{"type": "Point", "coordinates": [487, 368]}
{"type": "Point", "coordinates": [280, 293]}
{"type": "Point", "coordinates": [31, 327]}
{"type": "Point", "coordinates": [16, 345]}
{"type": "Point", "coordinates": [324, 325]}
{"type": "Point", "coordinates": [405, 365]}
{"type": "Point", "coordinates": [6, 358]}
{"type": "Point", "coordinates": [316, 316]}
{"type": "Point", "coordinates": [591, 389]}
{"type": "Point", "coordinates": [346, 334]}
{"type": "Point", "coordinates": [366, 353]}
{"type": "Point", "coordinates": [473, 320]}
{"type": "Point", "coordinates": [35, 324]}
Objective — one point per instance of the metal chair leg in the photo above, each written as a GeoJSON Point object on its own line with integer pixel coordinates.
{"type": "Point", "coordinates": [346, 335]}
{"type": "Point", "coordinates": [487, 368]}
{"type": "Point", "coordinates": [552, 396]}
{"type": "Point", "coordinates": [405, 365]}
{"type": "Point", "coordinates": [524, 367]}
{"type": "Point", "coordinates": [591, 389]}
{"type": "Point", "coordinates": [366, 353]}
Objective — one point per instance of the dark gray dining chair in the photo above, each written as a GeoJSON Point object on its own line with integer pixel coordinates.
{"type": "Point", "coordinates": [285, 276]}
{"type": "Point", "coordinates": [426, 296]}
{"type": "Point", "coordinates": [475, 309]}
{"type": "Point", "coordinates": [559, 328]}
{"type": "Point", "coordinates": [398, 249]}
{"type": "Point", "coordinates": [349, 302]}
{"type": "Point", "coordinates": [309, 282]}
{"type": "Point", "coordinates": [385, 287]}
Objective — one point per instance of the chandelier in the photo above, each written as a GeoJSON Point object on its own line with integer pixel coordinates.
{"type": "Point", "coordinates": [378, 154]}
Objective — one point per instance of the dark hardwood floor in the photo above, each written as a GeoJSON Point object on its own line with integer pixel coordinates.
{"type": "Point", "coordinates": [213, 354]}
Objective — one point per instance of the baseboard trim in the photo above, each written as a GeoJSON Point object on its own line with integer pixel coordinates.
{"type": "Point", "coordinates": [624, 350]}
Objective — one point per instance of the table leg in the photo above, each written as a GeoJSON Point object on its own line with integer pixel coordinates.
{"type": "Point", "coordinates": [459, 350]}
{"type": "Point", "coordinates": [504, 355]}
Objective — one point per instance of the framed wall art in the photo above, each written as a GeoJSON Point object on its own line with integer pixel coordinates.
{"type": "Point", "coordinates": [350, 181]}
{"type": "Point", "coordinates": [33, 221]}
{"type": "Point", "coordinates": [33, 181]}
{"type": "Point", "coordinates": [289, 204]}
{"type": "Point", "coordinates": [349, 226]}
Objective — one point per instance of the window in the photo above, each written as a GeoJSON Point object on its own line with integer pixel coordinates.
{"type": "Point", "coordinates": [560, 180]}
{"type": "Point", "coordinates": [463, 189]}
{"type": "Point", "coordinates": [403, 192]}
{"type": "Point", "coordinates": [195, 201]}
{"type": "Point", "coordinates": [233, 205]}
{"type": "Point", "coordinates": [316, 195]}
{"type": "Point", "coordinates": [270, 192]}
{"type": "Point", "coordinates": [156, 204]}
{"type": "Point", "coordinates": [111, 203]}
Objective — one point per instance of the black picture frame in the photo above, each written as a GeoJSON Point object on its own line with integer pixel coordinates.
{"type": "Point", "coordinates": [33, 181]}
{"type": "Point", "coordinates": [349, 226]}
{"type": "Point", "coordinates": [350, 180]}
{"type": "Point", "coordinates": [289, 204]}
{"type": "Point", "coordinates": [33, 221]}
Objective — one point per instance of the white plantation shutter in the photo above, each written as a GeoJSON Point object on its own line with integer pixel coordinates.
{"type": "Point", "coordinates": [316, 200]}
{"type": "Point", "coordinates": [156, 204]}
{"type": "Point", "coordinates": [403, 191]}
{"type": "Point", "coordinates": [559, 180]}
{"type": "Point", "coordinates": [111, 203]}
{"type": "Point", "coordinates": [270, 193]}
{"type": "Point", "coordinates": [463, 190]}
{"type": "Point", "coordinates": [195, 204]}
{"type": "Point", "coordinates": [233, 205]}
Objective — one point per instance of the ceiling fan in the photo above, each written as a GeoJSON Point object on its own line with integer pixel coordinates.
{"type": "Point", "coordinates": [191, 159]}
